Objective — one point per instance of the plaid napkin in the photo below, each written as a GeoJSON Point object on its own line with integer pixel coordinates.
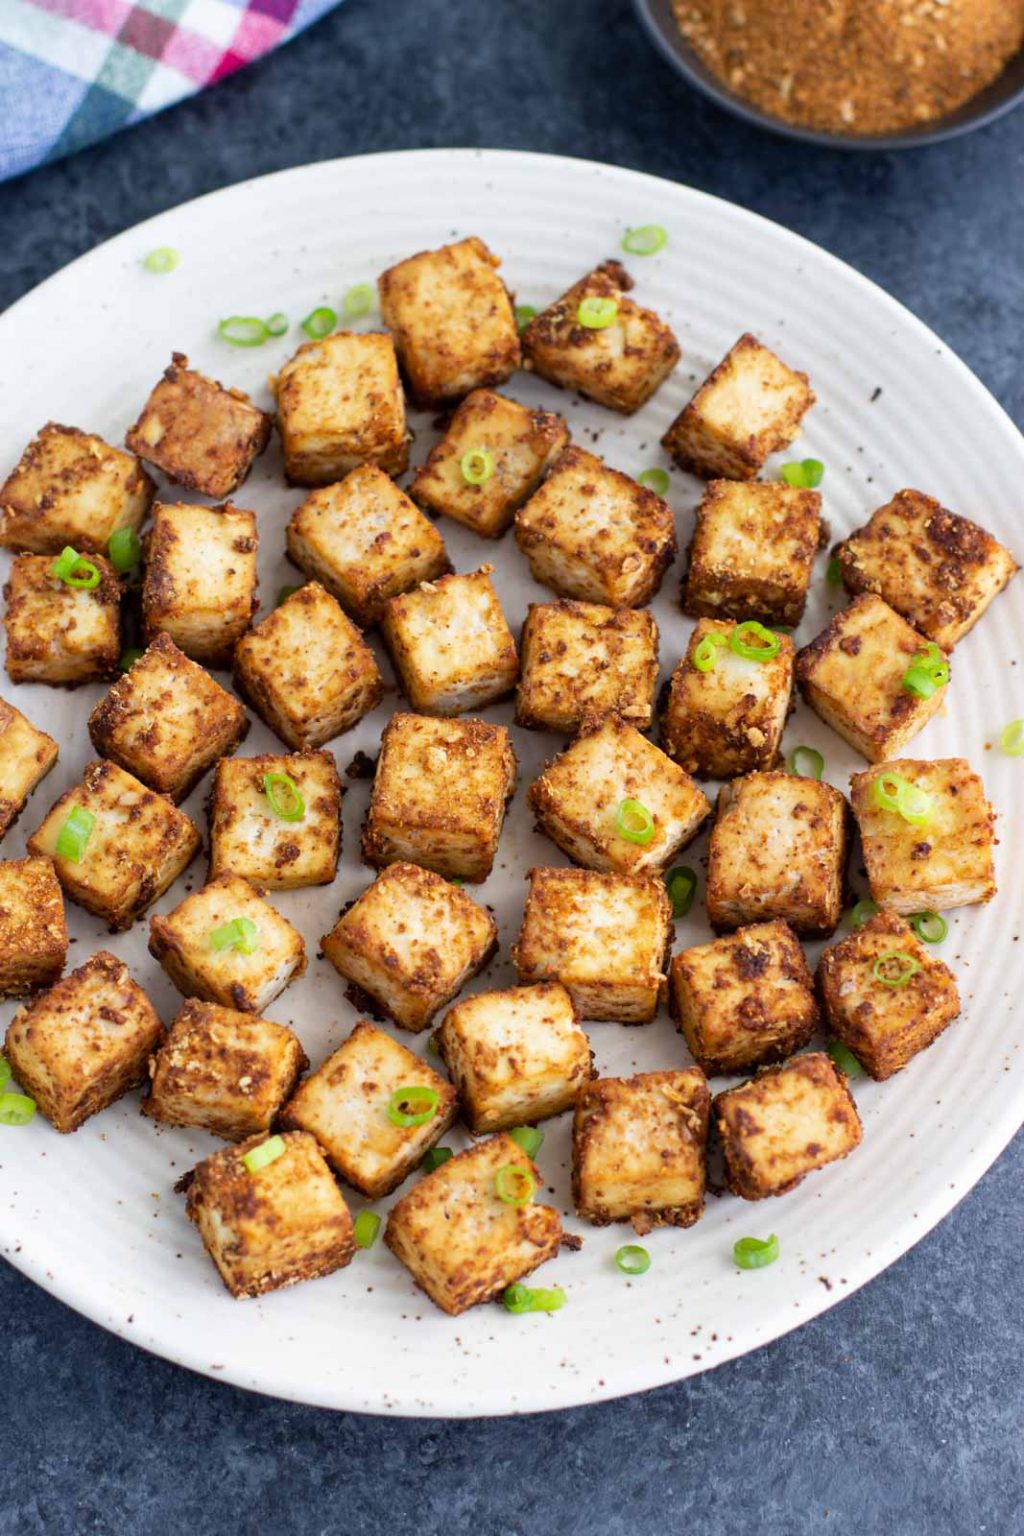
{"type": "Point", "coordinates": [72, 71]}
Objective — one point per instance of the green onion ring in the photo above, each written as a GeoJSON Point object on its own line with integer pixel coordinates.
{"type": "Point", "coordinates": [320, 322]}
{"type": "Point", "coordinates": [885, 790]}
{"type": "Point", "coordinates": [655, 480]}
{"type": "Point", "coordinates": [243, 330]}
{"type": "Point", "coordinates": [834, 572]}
{"type": "Point", "coordinates": [1012, 740]}
{"type": "Point", "coordinates": [882, 970]}
{"type": "Point", "coordinates": [930, 927]}
{"type": "Point", "coordinates": [762, 646]}
{"type": "Point", "coordinates": [365, 1229]}
{"type": "Point", "coordinates": [124, 550]}
{"type": "Point", "coordinates": [514, 1184]}
{"type": "Point", "coordinates": [597, 314]}
{"type": "Point", "coordinates": [634, 822]}
{"type": "Point", "coordinates": [164, 259]}
{"type": "Point", "coordinates": [477, 466]}
{"type": "Point", "coordinates": [284, 796]}
{"type": "Point", "coordinates": [815, 763]}
{"type": "Point", "coordinates": [240, 933]}
{"type": "Point", "coordinates": [645, 240]}
{"type": "Point", "coordinates": [74, 835]}
{"type": "Point", "coordinates": [862, 912]}
{"type": "Point", "coordinates": [752, 1253]}
{"type": "Point", "coordinates": [435, 1157]}
{"type": "Point", "coordinates": [914, 805]}
{"type": "Point", "coordinates": [16, 1108]}
{"type": "Point", "coordinates": [681, 884]}
{"type": "Point", "coordinates": [267, 1152]}
{"type": "Point", "coordinates": [803, 474]}
{"type": "Point", "coordinates": [633, 1260]}
{"type": "Point", "coordinates": [520, 1298]}
{"type": "Point", "coordinates": [402, 1107]}
{"type": "Point", "coordinates": [703, 657]}
{"type": "Point", "coordinates": [524, 314]}
{"type": "Point", "coordinates": [75, 571]}
{"type": "Point", "coordinates": [276, 324]}
{"type": "Point", "coordinates": [844, 1059]}
{"type": "Point", "coordinates": [529, 1138]}
{"type": "Point", "coordinates": [358, 301]}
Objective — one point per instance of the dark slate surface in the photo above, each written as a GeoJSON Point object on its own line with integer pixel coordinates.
{"type": "Point", "coordinates": [901, 1410]}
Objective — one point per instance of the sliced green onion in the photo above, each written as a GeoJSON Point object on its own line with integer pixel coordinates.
{"type": "Point", "coordinates": [243, 330]}
{"type": "Point", "coordinates": [435, 1157]}
{"type": "Point", "coordinates": [754, 642]}
{"type": "Point", "coordinates": [241, 934]}
{"type": "Point", "coordinates": [834, 572]}
{"type": "Point", "coordinates": [917, 681]}
{"type": "Point", "coordinates": [514, 1184]}
{"type": "Point", "coordinates": [284, 796]}
{"type": "Point", "coordinates": [893, 792]}
{"type": "Point", "coordinates": [277, 323]}
{"type": "Point", "coordinates": [803, 474]}
{"type": "Point", "coordinates": [681, 884]}
{"type": "Point", "coordinates": [930, 927]}
{"type": "Point", "coordinates": [634, 822]}
{"type": "Point", "coordinates": [894, 969]}
{"type": "Point", "coordinates": [527, 1137]}
{"type": "Point", "coordinates": [928, 671]}
{"type": "Point", "coordinates": [752, 1253]}
{"type": "Point", "coordinates": [74, 835]}
{"type": "Point", "coordinates": [5, 1071]}
{"type": "Point", "coordinates": [885, 790]}
{"type": "Point", "coordinates": [862, 912]}
{"type": "Point", "coordinates": [655, 480]}
{"type": "Point", "coordinates": [124, 548]}
{"type": "Point", "coordinates": [365, 1229]}
{"type": "Point", "coordinates": [520, 1298]}
{"type": "Point", "coordinates": [633, 1260]}
{"type": "Point", "coordinates": [320, 322]}
{"type": "Point", "coordinates": [704, 655]}
{"type": "Point", "coordinates": [524, 314]}
{"type": "Point", "coordinates": [16, 1108]}
{"type": "Point", "coordinates": [284, 594]}
{"type": "Point", "coordinates": [1012, 740]}
{"type": "Point", "coordinates": [412, 1106]}
{"type": "Point", "coordinates": [812, 760]}
{"type": "Point", "coordinates": [129, 658]}
{"type": "Point", "coordinates": [267, 1152]}
{"type": "Point", "coordinates": [75, 571]}
{"type": "Point", "coordinates": [477, 466]}
{"type": "Point", "coordinates": [645, 240]}
{"type": "Point", "coordinates": [844, 1059]}
{"type": "Point", "coordinates": [597, 314]}
{"type": "Point", "coordinates": [358, 301]}
{"type": "Point", "coordinates": [164, 259]}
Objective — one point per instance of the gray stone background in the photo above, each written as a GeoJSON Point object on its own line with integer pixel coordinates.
{"type": "Point", "coordinates": [901, 1410]}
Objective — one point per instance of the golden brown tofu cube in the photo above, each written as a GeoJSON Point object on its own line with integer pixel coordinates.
{"type": "Point", "coordinates": [751, 405]}
{"type": "Point", "coordinates": [785, 1123]}
{"type": "Point", "coordinates": [604, 937]}
{"type": "Point", "coordinates": [200, 584]}
{"type": "Point", "coordinates": [202, 435]}
{"type": "Point", "coordinates": [752, 552]}
{"type": "Point", "coordinates": [249, 838]}
{"type": "Point", "coordinates": [26, 757]}
{"type": "Point", "coordinates": [451, 644]}
{"type": "Point", "coordinates": [410, 942]}
{"type": "Point", "coordinates": [284, 1223]}
{"type": "Point", "coordinates": [452, 320]}
{"type": "Point", "coordinates": [593, 533]}
{"type": "Point", "coordinates": [307, 671]}
{"type": "Point", "coordinates": [339, 405]}
{"type": "Point", "coordinates": [583, 659]}
{"type": "Point", "coordinates": [459, 1240]}
{"type": "Point", "coordinates": [345, 1104]}
{"type": "Point", "coordinates": [744, 999]}
{"type": "Point", "coordinates": [71, 487]}
{"type": "Point", "coordinates": [60, 634]}
{"type": "Point", "coordinates": [33, 934]}
{"type": "Point", "coordinates": [136, 844]}
{"type": "Point", "coordinates": [778, 850]}
{"type": "Point", "coordinates": [639, 1149]}
{"type": "Point", "coordinates": [84, 1043]}
{"type": "Point", "coordinates": [726, 718]}
{"type": "Point", "coordinates": [945, 860]}
{"type": "Point", "coordinates": [365, 541]}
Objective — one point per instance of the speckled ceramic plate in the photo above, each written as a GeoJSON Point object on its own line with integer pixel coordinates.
{"type": "Point", "coordinates": [93, 1217]}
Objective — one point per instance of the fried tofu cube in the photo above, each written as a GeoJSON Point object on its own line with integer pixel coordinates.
{"type": "Point", "coordinates": [138, 843]}
{"type": "Point", "coordinates": [200, 583]}
{"type": "Point", "coordinates": [26, 757]}
{"type": "Point", "coordinates": [83, 1044]}
{"type": "Point", "coordinates": [439, 795]}
{"type": "Point", "coordinates": [946, 861]}
{"type": "Point", "coordinates": [752, 552]}
{"type": "Point", "coordinates": [726, 720]}
{"type": "Point", "coordinates": [71, 487]}
{"type": "Point", "coordinates": [284, 1223]}
{"type": "Point", "coordinates": [639, 1149]}
{"type": "Point", "coordinates": [520, 444]}
{"type": "Point", "coordinates": [339, 405]}
{"type": "Point", "coordinates": [365, 541]}
{"type": "Point", "coordinates": [60, 634]}
{"type": "Point", "coordinates": [938, 570]}
{"type": "Point", "coordinates": [307, 671]}
{"type": "Point", "coordinates": [783, 1124]}
{"type": "Point", "coordinates": [452, 320]}
{"type": "Point", "coordinates": [744, 999]}
{"type": "Point", "coordinates": [201, 434]}
{"type": "Point", "coordinates": [778, 850]}
{"type": "Point", "coordinates": [410, 942]}
{"type": "Point", "coordinates": [459, 1240]}
{"type": "Point", "coordinates": [583, 659]}
{"type": "Point", "coordinates": [595, 534]}
{"type": "Point", "coordinates": [516, 1056]}
{"type": "Point", "coordinates": [605, 937]}
{"type": "Point", "coordinates": [451, 644]}
{"type": "Point", "coordinates": [345, 1105]}
{"type": "Point", "coordinates": [33, 934]}
{"type": "Point", "coordinates": [247, 836]}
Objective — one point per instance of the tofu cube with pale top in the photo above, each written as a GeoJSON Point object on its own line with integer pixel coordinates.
{"type": "Point", "coordinates": [70, 487]}
{"type": "Point", "coordinates": [202, 435]}
{"type": "Point", "coordinates": [584, 659]}
{"type": "Point", "coordinates": [59, 633]}
{"type": "Point", "coordinates": [340, 404]}
{"type": "Point", "coordinates": [451, 644]}
{"type": "Point", "coordinates": [724, 713]}
{"type": "Point", "coordinates": [275, 820]}
{"type": "Point", "coordinates": [200, 584]}
{"type": "Point", "coordinates": [33, 933]}
{"type": "Point", "coordinates": [26, 757]}
{"type": "Point", "coordinates": [752, 552]}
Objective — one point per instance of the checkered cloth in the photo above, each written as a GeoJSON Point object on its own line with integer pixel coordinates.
{"type": "Point", "coordinates": [72, 71]}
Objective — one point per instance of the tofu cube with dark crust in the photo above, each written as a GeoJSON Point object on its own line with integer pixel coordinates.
{"type": "Point", "coordinates": [639, 1149]}
{"type": "Point", "coordinates": [410, 942]}
{"type": "Point", "coordinates": [200, 583]}
{"type": "Point", "coordinates": [307, 671]}
{"type": "Point", "coordinates": [783, 1124]}
{"type": "Point", "coordinates": [223, 1071]}
{"type": "Point", "coordinates": [744, 999]}
{"type": "Point", "coordinates": [284, 1223]}
{"type": "Point", "coordinates": [26, 757]}
{"type": "Point", "coordinates": [947, 860]}
{"type": "Point", "coordinates": [583, 659]}
{"type": "Point", "coordinates": [84, 1043]}
{"type": "Point", "coordinates": [345, 1104]}
{"type": "Point", "coordinates": [752, 552]}
{"type": "Point", "coordinates": [726, 720]}
{"type": "Point", "coordinates": [593, 533]}
{"type": "Point", "coordinates": [459, 1240]}
{"type": "Point", "coordinates": [751, 405]}
{"type": "Point", "coordinates": [249, 838]}
{"type": "Point", "coordinates": [453, 322]}
{"type": "Point", "coordinates": [33, 933]}
{"type": "Point", "coordinates": [71, 487]}
{"type": "Point", "coordinates": [202, 435]}
{"type": "Point", "coordinates": [57, 633]}
{"type": "Point", "coordinates": [340, 404]}
{"type": "Point", "coordinates": [451, 644]}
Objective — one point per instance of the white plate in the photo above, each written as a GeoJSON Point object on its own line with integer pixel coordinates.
{"type": "Point", "coordinates": [93, 1217]}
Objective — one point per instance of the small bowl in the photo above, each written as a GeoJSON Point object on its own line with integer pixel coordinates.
{"type": "Point", "coordinates": [999, 97]}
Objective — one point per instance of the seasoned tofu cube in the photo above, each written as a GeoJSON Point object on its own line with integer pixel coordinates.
{"type": "Point", "coordinates": [439, 795]}
{"type": "Point", "coordinates": [410, 942]}
{"type": "Point", "coordinates": [131, 844]}
{"type": "Point", "coordinates": [307, 671]}
{"type": "Point", "coordinates": [516, 1056]}
{"type": "Point", "coordinates": [451, 644]}
{"type": "Point", "coordinates": [33, 934]}
{"type": "Point", "coordinates": [250, 837]}
{"type": "Point", "coordinates": [452, 320]}
{"type": "Point", "coordinates": [339, 405]}
{"type": "Point", "coordinates": [778, 850]}
{"type": "Point", "coordinates": [751, 405]}
{"type": "Point", "coordinates": [226, 945]}
{"type": "Point", "coordinates": [84, 1043]}
{"type": "Point", "coordinates": [583, 659]}
{"type": "Point", "coordinates": [202, 435]}
{"type": "Point", "coordinates": [938, 570]}
{"type": "Point", "coordinates": [604, 937]}
{"type": "Point", "coordinates": [459, 1240]}
{"type": "Point", "coordinates": [581, 800]}
{"type": "Point", "coordinates": [491, 459]}
{"type": "Point", "coordinates": [743, 999]}
{"type": "Point", "coordinates": [283, 1223]}
{"type": "Point", "coordinates": [752, 552]}
{"type": "Point", "coordinates": [26, 757]}
{"type": "Point", "coordinates": [167, 721]}
{"type": "Point", "coordinates": [71, 487]}
{"type": "Point", "coordinates": [58, 633]}
{"type": "Point", "coordinates": [200, 583]}
{"type": "Point", "coordinates": [944, 860]}
{"type": "Point", "coordinates": [365, 541]}
{"type": "Point", "coordinates": [639, 1148]}
{"type": "Point", "coordinates": [783, 1124]}
{"type": "Point", "coordinates": [724, 713]}
{"type": "Point", "coordinates": [593, 533]}
{"type": "Point", "coordinates": [349, 1105]}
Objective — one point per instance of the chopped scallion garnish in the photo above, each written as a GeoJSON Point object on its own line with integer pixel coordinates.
{"type": "Point", "coordinates": [124, 547]}
{"type": "Point", "coordinates": [320, 322]}
{"type": "Point", "coordinates": [634, 822]}
{"type": "Point", "coordinates": [752, 1253]}
{"type": "Point", "coordinates": [514, 1184]}
{"type": "Point", "coordinates": [16, 1108]}
{"type": "Point", "coordinates": [803, 474]}
{"type": "Point", "coordinates": [524, 314]}
{"type": "Point", "coordinates": [655, 480]}
{"type": "Point", "coordinates": [930, 927]}
{"type": "Point", "coordinates": [164, 259]}
{"type": "Point", "coordinates": [645, 240]}
{"type": "Point", "coordinates": [862, 912]}
{"type": "Point", "coordinates": [597, 314]}
{"type": "Point", "coordinates": [895, 969]}
{"type": "Point", "coordinates": [892, 792]}
{"type": "Point", "coordinates": [529, 1138]}
{"type": "Point", "coordinates": [844, 1059]}
{"type": "Point", "coordinates": [681, 884]}
{"type": "Point", "coordinates": [928, 671]}
{"type": "Point", "coordinates": [834, 572]}
{"type": "Point", "coordinates": [241, 934]}
{"type": "Point", "coordinates": [477, 466]}
{"type": "Point", "coordinates": [435, 1157]}
{"type": "Point", "coordinates": [1012, 740]}
{"type": "Point", "coordinates": [267, 1152]}
{"type": "Point", "coordinates": [75, 571]}
{"type": "Point", "coordinates": [277, 323]}
{"type": "Point", "coordinates": [704, 655]}
{"type": "Point", "coordinates": [365, 1229]}
{"type": "Point", "coordinates": [75, 834]}
{"type": "Point", "coordinates": [806, 763]}
{"type": "Point", "coordinates": [633, 1260]}
{"type": "Point", "coordinates": [5, 1071]}
{"type": "Point", "coordinates": [284, 796]}
{"type": "Point", "coordinates": [243, 330]}
{"type": "Point", "coordinates": [754, 642]}
{"type": "Point", "coordinates": [412, 1106]}
{"type": "Point", "coordinates": [358, 301]}
{"type": "Point", "coordinates": [521, 1298]}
